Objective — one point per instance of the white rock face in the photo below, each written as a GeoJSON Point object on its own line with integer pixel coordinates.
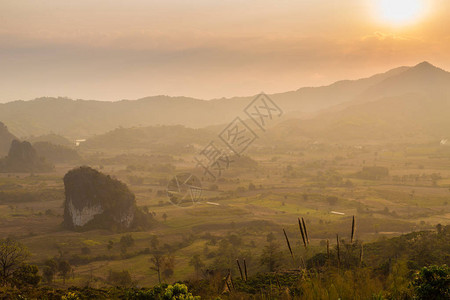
{"type": "Point", "coordinates": [81, 217]}
{"type": "Point", "coordinates": [127, 217]}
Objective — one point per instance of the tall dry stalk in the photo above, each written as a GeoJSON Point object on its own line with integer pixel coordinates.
{"type": "Point", "coordinates": [353, 230]}
{"type": "Point", "coordinates": [228, 282]}
{"type": "Point", "coordinates": [245, 270]}
{"type": "Point", "coordinates": [240, 270]}
{"type": "Point", "coordinates": [361, 253]}
{"type": "Point", "coordinates": [231, 279]}
{"type": "Point", "coordinates": [306, 232]}
{"type": "Point", "coordinates": [328, 249]}
{"type": "Point", "coordinates": [338, 250]}
{"type": "Point", "coordinates": [301, 231]}
{"type": "Point", "coordinates": [228, 285]}
{"type": "Point", "coordinates": [289, 245]}
{"type": "Point", "coordinates": [278, 282]}
{"type": "Point", "coordinates": [303, 263]}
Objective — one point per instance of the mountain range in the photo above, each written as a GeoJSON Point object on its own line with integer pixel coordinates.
{"type": "Point", "coordinates": [413, 105]}
{"type": "Point", "coordinates": [402, 102]}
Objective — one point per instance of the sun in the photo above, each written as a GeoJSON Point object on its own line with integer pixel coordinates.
{"type": "Point", "coordinates": [401, 12]}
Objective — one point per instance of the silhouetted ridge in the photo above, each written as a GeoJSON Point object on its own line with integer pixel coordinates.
{"type": "Point", "coordinates": [79, 119]}
{"type": "Point", "coordinates": [427, 68]}
{"type": "Point", "coordinates": [425, 65]}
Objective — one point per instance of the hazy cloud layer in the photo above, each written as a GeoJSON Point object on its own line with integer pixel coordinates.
{"type": "Point", "coordinates": [111, 50]}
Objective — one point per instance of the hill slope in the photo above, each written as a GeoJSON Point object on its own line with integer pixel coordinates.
{"type": "Point", "coordinates": [81, 119]}
{"type": "Point", "coordinates": [410, 117]}
{"type": "Point", "coordinates": [413, 105]}
{"type": "Point", "coordinates": [160, 138]}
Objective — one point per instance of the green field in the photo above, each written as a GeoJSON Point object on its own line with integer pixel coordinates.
{"type": "Point", "coordinates": [322, 186]}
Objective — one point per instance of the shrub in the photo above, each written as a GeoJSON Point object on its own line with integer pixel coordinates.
{"type": "Point", "coordinates": [178, 291]}
{"type": "Point", "coordinates": [26, 275]}
{"type": "Point", "coordinates": [120, 278]}
{"type": "Point", "coordinates": [432, 283]}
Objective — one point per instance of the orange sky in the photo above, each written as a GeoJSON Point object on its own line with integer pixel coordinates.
{"type": "Point", "coordinates": [115, 49]}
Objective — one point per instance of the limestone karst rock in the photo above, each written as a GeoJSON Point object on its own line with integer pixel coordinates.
{"type": "Point", "coordinates": [95, 200]}
{"type": "Point", "coordinates": [5, 139]}
{"type": "Point", "coordinates": [22, 157]}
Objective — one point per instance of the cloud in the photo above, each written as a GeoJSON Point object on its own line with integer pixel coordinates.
{"type": "Point", "coordinates": [381, 36]}
{"type": "Point", "coordinates": [112, 49]}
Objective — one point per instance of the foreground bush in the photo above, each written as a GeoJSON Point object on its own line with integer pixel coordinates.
{"type": "Point", "coordinates": [432, 283]}
{"type": "Point", "coordinates": [160, 292]}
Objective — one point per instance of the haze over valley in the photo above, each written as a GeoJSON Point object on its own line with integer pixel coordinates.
{"type": "Point", "coordinates": [267, 150]}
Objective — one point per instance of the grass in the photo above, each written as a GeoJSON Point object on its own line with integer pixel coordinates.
{"type": "Point", "coordinates": [250, 214]}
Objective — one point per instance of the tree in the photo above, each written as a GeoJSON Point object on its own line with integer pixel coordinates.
{"type": "Point", "coordinates": [270, 237]}
{"type": "Point", "coordinates": [432, 283]}
{"type": "Point", "coordinates": [110, 245]}
{"type": "Point", "coordinates": [197, 263]}
{"type": "Point", "coordinates": [373, 173]}
{"type": "Point", "coordinates": [48, 274]}
{"type": "Point", "coordinates": [122, 279]}
{"type": "Point", "coordinates": [12, 256]}
{"type": "Point", "coordinates": [154, 242]}
{"type": "Point", "coordinates": [271, 256]}
{"type": "Point", "coordinates": [235, 240]}
{"type": "Point", "coordinates": [168, 266]}
{"type": "Point", "coordinates": [163, 265]}
{"type": "Point", "coordinates": [64, 269]}
{"type": "Point", "coordinates": [51, 268]}
{"type": "Point", "coordinates": [125, 242]}
{"type": "Point", "coordinates": [157, 263]}
{"type": "Point", "coordinates": [349, 184]}
{"type": "Point", "coordinates": [26, 275]}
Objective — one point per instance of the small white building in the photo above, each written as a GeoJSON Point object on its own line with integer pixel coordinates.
{"type": "Point", "coordinates": [78, 142]}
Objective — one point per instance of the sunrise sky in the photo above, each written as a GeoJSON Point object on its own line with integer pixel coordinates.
{"type": "Point", "coordinates": [117, 49]}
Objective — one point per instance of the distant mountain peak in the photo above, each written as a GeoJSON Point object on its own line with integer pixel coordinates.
{"type": "Point", "coordinates": [425, 63]}
{"type": "Point", "coordinates": [426, 66]}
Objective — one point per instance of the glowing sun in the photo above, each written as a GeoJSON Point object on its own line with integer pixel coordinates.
{"type": "Point", "coordinates": [401, 12]}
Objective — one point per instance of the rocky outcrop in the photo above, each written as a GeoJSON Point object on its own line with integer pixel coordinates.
{"type": "Point", "coordinates": [5, 139]}
{"type": "Point", "coordinates": [22, 157]}
{"type": "Point", "coordinates": [95, 200]}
